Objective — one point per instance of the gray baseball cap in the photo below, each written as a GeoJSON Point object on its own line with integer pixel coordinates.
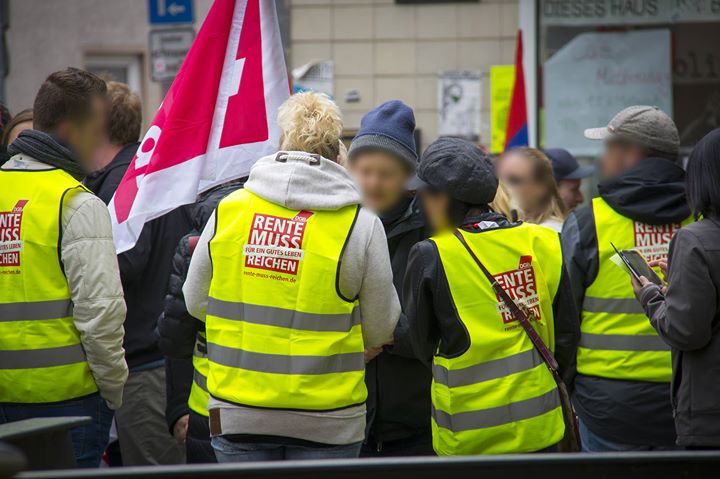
{"type": "Point", "coordinates": [643, 125]}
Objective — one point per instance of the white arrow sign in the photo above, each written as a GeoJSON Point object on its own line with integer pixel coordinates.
{"type": "Point", "coordinates": [175, 9]}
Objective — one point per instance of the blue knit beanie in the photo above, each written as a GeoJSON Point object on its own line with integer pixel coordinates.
{"type": "Point", "coordinates": [389, 127]}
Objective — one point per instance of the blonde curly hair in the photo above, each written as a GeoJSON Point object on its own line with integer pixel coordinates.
{"type": "Point", "coordinates": [311, 122]}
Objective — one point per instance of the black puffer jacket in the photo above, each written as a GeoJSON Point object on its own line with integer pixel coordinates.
{"type": "Point", "coordinates": [176, 329]}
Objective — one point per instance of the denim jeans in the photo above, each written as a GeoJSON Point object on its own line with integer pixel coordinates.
{"type": "Point", "coordinates": [591, 442]}
{"type": "Point", "coordinates": [228, 451]}
{"type": "Point", "coordinates": [89, 441]}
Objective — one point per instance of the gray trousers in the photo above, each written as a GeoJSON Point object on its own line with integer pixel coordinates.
{"type": "Point", "coordinates": [142, 429]}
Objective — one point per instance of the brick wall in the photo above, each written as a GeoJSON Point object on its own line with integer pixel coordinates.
{"type": "Point", "coordinates": [388, 51]}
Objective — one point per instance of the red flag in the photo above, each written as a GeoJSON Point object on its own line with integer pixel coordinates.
{"type": "Point", "coordinates": [516, 133]}
{"type": "Point", "coordinates": [217, 119]}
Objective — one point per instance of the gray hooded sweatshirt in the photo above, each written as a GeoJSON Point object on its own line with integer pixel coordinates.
{"type": "Point", "coordinates": [365, 272]}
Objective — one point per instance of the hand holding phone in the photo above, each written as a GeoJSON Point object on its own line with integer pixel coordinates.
{"type": "Point", "coordinates": [637, 265]}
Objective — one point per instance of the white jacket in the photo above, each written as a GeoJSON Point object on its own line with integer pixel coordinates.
{"type": "Point", "coordinates": [365, 272]}
{"type": "Point", "coordinates": [88, 256]}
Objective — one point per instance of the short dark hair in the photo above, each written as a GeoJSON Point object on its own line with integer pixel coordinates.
{"type": "Point", "coordinates": [703, 176]}
{"type": "Point", "coordinates": [125, 119]}
{"type": "Point", "coordinates": [65, 94]}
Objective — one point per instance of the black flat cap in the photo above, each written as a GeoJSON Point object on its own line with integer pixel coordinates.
{"type": "Point", "coordinates": [459, 168]}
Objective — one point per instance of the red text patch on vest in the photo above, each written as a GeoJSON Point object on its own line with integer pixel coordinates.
{"type": "Point", "coordinates": [10, 242]}
{"type": "Point", "coordinates": [275, 243]}
{"type": "Point", "coordinates": [653, 241]}
{"type": "Point", "coordinates": [521, 286]}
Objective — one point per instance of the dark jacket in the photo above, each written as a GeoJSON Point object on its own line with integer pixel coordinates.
{"type": "Point", "coordinates": [688, 320]}
{"type": "Point", "coordinates": [104, 182]}
{"type": "Point", "coordinates": [176, 329]}
{"type": "Point", "coordinates": [432, 317]}
{"type": "Point", "coordinates": [629, 412]}
{"type": "Point", "coordinates": [177, 389]}
{"type": "Point", "coordinates": [398, 384]}
{"type": "Point", "coordinates": [144, 269]}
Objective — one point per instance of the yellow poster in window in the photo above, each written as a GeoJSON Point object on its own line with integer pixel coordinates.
{"type": "Point", "coordinates": [502, 79]}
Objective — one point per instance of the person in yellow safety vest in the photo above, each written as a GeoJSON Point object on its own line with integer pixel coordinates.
{"type": "Point", "coordinates": [293, 281]}
{"type": "Point", "coordinates": [61, 301]}
{"type": "Point", "coordinates": [181, 339]}
{"type": "Point", "coordinates": [491, 391]}
{"type": "Point", "coordinates": [622, 388]}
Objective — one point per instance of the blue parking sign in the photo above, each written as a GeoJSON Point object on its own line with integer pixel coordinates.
{"type": "Point", "coordinates": [170, 11]}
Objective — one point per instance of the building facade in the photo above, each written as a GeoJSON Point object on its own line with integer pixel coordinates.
{"type": "Point", "coordinates": [583, 58]}
{"type": "Point", "coordinates": [106, 36]}
{"type": "Point", "coordinates": [384, 50]}
{"type": "Point", "coordinates": [380, 49]}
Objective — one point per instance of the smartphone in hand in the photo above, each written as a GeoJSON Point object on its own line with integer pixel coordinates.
{"type": "Point", "coordinates": [637, 265]}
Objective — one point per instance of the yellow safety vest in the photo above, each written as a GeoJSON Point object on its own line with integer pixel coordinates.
{"type": "Point", "coordinates": [617, 340]}
{"type": "Point", "coordinates": [280, 335]}
{"type": "Point", "coordinates": [199, 395]}
{"type": "Point", "coordinates": [498, 396]}
{"type": "Point", "coordinates": [41, 357]}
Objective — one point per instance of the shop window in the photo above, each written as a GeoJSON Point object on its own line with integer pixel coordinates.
{"type": "Point", "coordinates": [688, 32]}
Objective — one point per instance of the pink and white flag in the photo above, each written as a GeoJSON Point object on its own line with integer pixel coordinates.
{"type": "Point", "coordinates": [217, 119]}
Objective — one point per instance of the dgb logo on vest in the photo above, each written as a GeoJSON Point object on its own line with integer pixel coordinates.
{"type": "Point", "coordinates": [10, 242]}
{"type": "Point", "coordinates": [520, 285]}
{"type": "Point", "coordinates": [275, 243]}
{"type": "Point", "coordinates": [653, 241]}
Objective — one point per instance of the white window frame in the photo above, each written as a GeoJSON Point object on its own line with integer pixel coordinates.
{"type": "Point", "coordinates": [133, 64]}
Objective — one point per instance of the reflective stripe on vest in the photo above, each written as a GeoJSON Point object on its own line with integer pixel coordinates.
{"type": "Point", "coordinates": [199, 395]}
{"type": "Point", "coordinates": [498, 396]}
{"type": "Point", "coordinates": [500, 415]}
{"type": "Point", "coordinates": [620, 342]}
{"type": "Point", "coordinates": [279, 334]}
{"type": "Point", "coordinates": [41, 356]}
{"type": "Point", "coordinates": [200, 380]}
{"type": "Point", "coordinates": [283, 318]}
{"type": "Point", "coordinates": [30, 310]}
{"type": "Point", "coordinates": [494, 369]}
{"type": "Point", "coordinates": [617, 340]}
{"type": "Point", "coordinates": [285, 364]}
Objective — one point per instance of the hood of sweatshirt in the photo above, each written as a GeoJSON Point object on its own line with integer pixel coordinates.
{"type": "Point", "coordinates": [300, 181]}
{"type": "Point", "coordinates": [652, 192]}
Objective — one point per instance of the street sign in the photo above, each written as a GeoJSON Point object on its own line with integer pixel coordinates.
{"type": "Point", "coordinates": [168, 48]}
{"type": "Point", "coordinates": [170, 11]}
